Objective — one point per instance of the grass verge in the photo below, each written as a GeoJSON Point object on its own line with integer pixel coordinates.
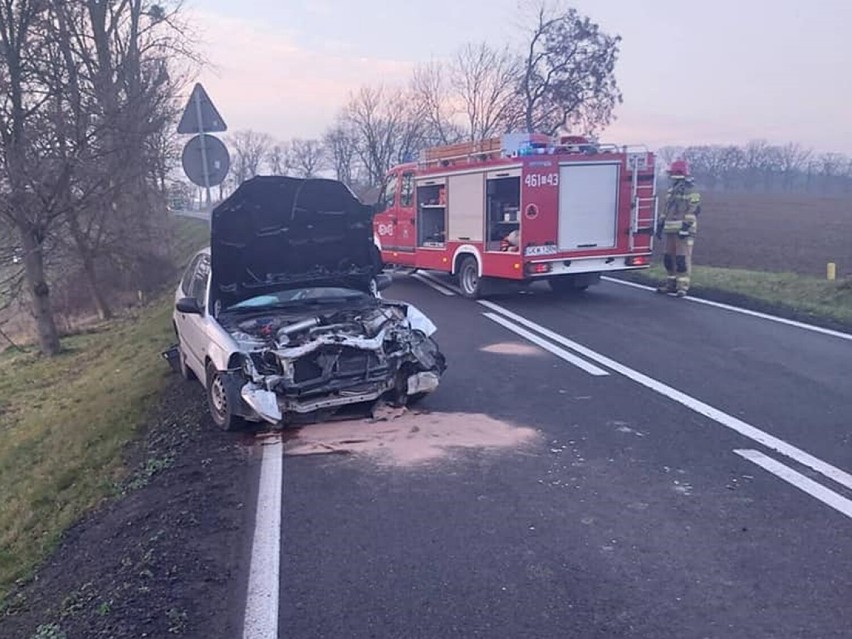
{"type": "Point", "coordinates": [798, 297]}
{"type": "Point", "coordinates": [65, 421]}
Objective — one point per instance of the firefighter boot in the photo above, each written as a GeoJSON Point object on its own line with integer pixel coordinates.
{"type": "Point", "coordinates": [682, 280]}
{"type": "Point", "coordinates": [668, 286]}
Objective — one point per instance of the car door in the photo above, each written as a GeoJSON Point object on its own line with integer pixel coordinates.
{"type": "Point", "coordinates": [385, 220]}
{"type": "Point", "coordinates": [404, 229]}
{"type": "Point", "coordinates": [183, 291]}
{"type": "Point", "coordinates": [194, 337]}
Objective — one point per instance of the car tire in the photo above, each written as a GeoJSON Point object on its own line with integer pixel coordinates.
{"type": "Point", "coordinates": [469, 281]}
{"type": "Point", "coordinates": [218, 403]}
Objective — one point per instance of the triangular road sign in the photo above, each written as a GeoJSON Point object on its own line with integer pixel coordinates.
{"type": "Point", "coordinates": [211, 121]}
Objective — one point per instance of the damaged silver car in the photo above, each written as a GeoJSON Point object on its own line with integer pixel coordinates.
{"type": "Point", "coordinates": [282, 317]}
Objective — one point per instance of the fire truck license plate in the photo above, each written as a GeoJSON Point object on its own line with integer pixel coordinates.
{"type": "Point", "coordinates": [540, 250]}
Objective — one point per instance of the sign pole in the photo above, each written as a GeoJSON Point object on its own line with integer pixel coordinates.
{"type": "Point", "coordinates": [203, 148]}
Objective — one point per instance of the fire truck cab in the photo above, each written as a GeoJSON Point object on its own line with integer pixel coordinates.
{"type": "Point", "coordinates": [520, 208]}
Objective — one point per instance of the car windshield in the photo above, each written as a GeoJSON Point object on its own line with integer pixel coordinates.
{"type": "Point", "coordinates": [298, 296]}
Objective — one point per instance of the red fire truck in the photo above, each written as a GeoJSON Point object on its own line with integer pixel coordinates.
{"type": "Point", "coordinates": [520, 207]}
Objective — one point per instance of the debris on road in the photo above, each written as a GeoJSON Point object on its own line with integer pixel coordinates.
{"type": "Point", "coordinates": [400, 437]}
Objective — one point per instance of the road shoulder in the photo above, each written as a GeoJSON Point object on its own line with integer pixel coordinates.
{"type": "Point", "coordinates": [162, 557]}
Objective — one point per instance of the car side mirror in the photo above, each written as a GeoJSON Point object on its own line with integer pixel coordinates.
{"type": "Point", "coordinates": [188, 305]}
{"type": "Point", "coordinates": [383, 281]}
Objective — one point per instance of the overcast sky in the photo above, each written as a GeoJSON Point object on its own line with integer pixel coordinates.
{"type": "Point", "coordinates": [691, 72]}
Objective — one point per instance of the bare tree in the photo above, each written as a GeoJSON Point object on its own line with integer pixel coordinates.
{"type": "Point", "coordinates": [732, 161]}
{"type": "Point", "coordinates": [275, 160]}
{"type": "Point", "coordinates": [305, 158]}
{"type": "Point", "coordinates": [341, 150]}
{"type": "Point", "coordinates": [30, 212]}
{"type": "Point", "coordinates": [87, 97]}
{"type": "Point", "coordinates": [831, 166]}
{"type": "Point", "coordinates": [568, 76]}
{"type": "Point", "coordinates": [429, 88]}
{"type": "Point", "coordinates": [484, 81]}
{"type": "Point", "coordinates": [250, 150]}
{"type": "Point", "coordinates": [793, 158]}
{"type": "Point", "coordinates": [389, 127]}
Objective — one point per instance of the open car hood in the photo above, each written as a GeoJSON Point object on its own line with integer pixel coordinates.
{"type": "Point", "coordinates": [278, 232]}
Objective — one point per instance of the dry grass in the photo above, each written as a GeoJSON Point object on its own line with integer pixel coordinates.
{"type": "Point", "coordinates": [801, 295]}
{"type": "Point", "coordinates": [65, 421]}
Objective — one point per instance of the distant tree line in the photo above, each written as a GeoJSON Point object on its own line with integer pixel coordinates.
{"type": "Point", "coordinates": [762, 167]}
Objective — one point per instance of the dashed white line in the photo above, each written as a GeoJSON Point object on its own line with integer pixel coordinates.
{"type": "Point", "coordinates": [561, 353]}
{"type": "Point", "coordinates": [806, 484]}
{"type": "Point", "coordinates": [743, 311]}
{"type": "Point", "coordinates": [428, 281]}
{"type": "Point", "coordinates": [261, 615]}
{"type": "Point", "coordinates": [729, 421]}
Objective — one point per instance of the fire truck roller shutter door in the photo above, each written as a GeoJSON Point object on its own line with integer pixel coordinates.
{"type": "Point", "coordinates": [466, 207]}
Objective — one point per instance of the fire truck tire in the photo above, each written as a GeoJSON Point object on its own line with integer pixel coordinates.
{"type": "Point", "coordinates": [469, 281]}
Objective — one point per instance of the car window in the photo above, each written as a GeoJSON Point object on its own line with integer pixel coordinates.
{"type": "Point", "coordinates": [186, 280]}
{"type": "Point", "coordinates": [198, 289]}
{"type": "Point", "coordinates": [390, 192]}
{"type": "Point", "coordinates": [300, 294]}
{"type": "Point", "coordinates": [407, 192]}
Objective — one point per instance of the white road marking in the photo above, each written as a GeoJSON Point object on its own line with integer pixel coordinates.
{"type": "Point", "coordinates": [455, 289]}
{"type": "Point", "coordinates": [432, 284]}
{"type": "Point", "coordinates": [261, 616]}
{"type": "Point", "coordinates": [561, 353]}
{"type": "Point", "coordinates": [743, 311]}
{"type": "Point", "coordinates": [818, 491]}
{"type": "Point", "coordinates": [729, 421]}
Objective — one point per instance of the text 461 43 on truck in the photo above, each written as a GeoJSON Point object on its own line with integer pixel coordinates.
{"type": "Point", "coordinates": [519, 208]}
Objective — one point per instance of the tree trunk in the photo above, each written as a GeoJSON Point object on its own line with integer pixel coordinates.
{"type": "Point", "coordinates": [88, 261]}
{"type": "Point", "coordinates": [34, 272]}
{"type": "Point", "coordinates": [98, 299]}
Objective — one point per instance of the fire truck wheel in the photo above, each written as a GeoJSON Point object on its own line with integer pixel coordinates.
{"type": "Point", "coordinates": [469, 280]}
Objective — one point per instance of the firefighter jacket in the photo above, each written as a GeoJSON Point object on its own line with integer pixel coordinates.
{"type": "Point", "coordinates": [680, 213]}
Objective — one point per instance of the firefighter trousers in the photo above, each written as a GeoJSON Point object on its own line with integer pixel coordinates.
{"type": "Point", "coordinates": [677, 259]}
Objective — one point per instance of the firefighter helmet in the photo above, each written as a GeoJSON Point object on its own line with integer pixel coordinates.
{"type": "Point", "coordinates": [679, 169]}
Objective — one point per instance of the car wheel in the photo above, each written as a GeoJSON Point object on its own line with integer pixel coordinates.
{"type": "Point", "coordinates": [469, 280]}
{"type": "Point", "coordinates": [218, 402]}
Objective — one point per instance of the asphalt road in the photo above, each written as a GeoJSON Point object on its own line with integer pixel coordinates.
{"type": "Point", "coordinates": [689, 479]}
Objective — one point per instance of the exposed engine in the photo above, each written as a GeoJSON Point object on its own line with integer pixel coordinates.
{"type": "Point", "coordinates": [283, 331]}
{"type": "Point", "coordinates": [338, 357]}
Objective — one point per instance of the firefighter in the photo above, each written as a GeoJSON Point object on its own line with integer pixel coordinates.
{"type": "Point", "coordinates": [679, 223]}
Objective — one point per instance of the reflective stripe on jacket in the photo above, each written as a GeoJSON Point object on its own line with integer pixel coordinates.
{"type": "Point", "coordinates": [681, 206]}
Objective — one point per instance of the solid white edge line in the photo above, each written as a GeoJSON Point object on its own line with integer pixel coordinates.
{"type": "Point", "coordinates": [261, 614]}
{"type": "Point", "coordinates": [431, 284]}
{"type": "Point", "coordinates": [806, 484]}
{"type": "Point", "coordinates": [743, 311]}
{"type": "Point", "coordinates": [729, 421]}
{"type": "Point", "coordinates": [591, 369]}
{"type": "Point", "coordinates": [452, 287]}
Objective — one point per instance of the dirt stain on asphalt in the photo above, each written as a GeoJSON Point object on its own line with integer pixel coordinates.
{"type": "Point", "coordinates": [409, 438]}
{"type": "Point", "coordinates": [512, 348]}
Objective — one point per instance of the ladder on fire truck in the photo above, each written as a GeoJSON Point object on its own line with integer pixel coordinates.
{"type": "Point", "coordinates": [643, 195]}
